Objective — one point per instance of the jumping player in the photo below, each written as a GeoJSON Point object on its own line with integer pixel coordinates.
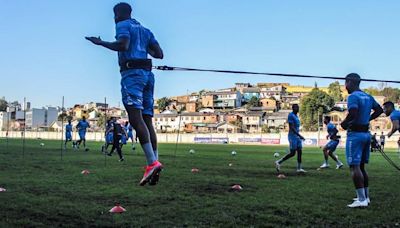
{"type": "Point", "coordinates": [82, 127]}
{"type": "Point", "coordinates": [358, 141]}
{"type": "Point", "coordinates": [295, 140]}
{"type": "Point", "coordinates": [394, 115]}
{"type": "Point", "coordinates": [68, 134]}
{"type": "Point", "coordinates": [134, 43]}
{"type": "Point", "coordinates": [331, 146]}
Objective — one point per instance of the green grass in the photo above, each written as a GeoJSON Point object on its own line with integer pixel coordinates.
{"type": "Point", "coordinates": [43, 190]}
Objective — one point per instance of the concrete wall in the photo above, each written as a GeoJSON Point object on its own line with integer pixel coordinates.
{"type": "Point", "coordinates": [235, 138]}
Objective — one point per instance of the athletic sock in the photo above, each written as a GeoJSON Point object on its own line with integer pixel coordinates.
{"type": "Point", "coordinates": [366, 192]}
{"type": "Point", "coordinates": [360, 194]}
{"type": "Point", "coordinates": [156, 154]}
{"type": "Point", "coordinates": [326, 162]}
{"type": "Point", "coordinates": [149, 153]}
{"type": "Point", "coordinates": [298, 165]}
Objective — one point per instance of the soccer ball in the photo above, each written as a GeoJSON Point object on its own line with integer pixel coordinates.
{"type": "Point", "coordinates": [41, 144]}
{"type": "Point", "coordinates": [233, 153]}
{"type": "Point", "coordinates": [192, 151]}
{"type": "Point", "coordinates": [276, 154]}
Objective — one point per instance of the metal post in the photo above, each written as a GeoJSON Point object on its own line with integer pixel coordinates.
{"type": "Point", "coordinates": [24, 131]}
{"type": "Point", "coordinates": [105, 127]}
{"type": "Point", "coordinates": [62, 128]}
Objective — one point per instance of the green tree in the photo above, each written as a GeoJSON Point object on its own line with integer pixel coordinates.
{"type": "Point", "coordinates": [163, 103]}
{"type": "Point", "coordinates": [101, 121]}
{"type": "Point", "coordinates": [253, 102]}
{"type": "Point", "coordinates": [313, 106]}
{"type": "Point", "coordinates": [3, 105]}
{"type": "Point", "coordinates": [391, 94]}
{"type": "Point", "coordinates": [373, 91]}
{"type": "Point", "coordinates": [335, 91]}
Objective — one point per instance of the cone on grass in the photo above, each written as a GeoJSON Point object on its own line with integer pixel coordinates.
{"type": "Point", "coordinates": [85, 172]}
{"type": "Point", "coordinates": [117, 209]}
{"type": "Point", "coordinates": [236, 187]}
{"type": "Point", "coordinates": [3, 189]}
{"type": "Point", "coordinates": [194, 170]}
{"type": "Point", "coordinates": [281, 176]}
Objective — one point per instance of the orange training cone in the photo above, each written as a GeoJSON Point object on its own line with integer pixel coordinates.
{"type": "Point", "coordinates": [194, 170]}
{"type": "Point", "coordinates": [85, 172]}
{"type": "Point", "coordinates": [117, 209]}
{"type": "Point", "coordinates": [236, 187]}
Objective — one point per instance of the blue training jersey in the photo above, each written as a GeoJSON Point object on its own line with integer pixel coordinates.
{"type": "Point", "coordinates": [295, 121]}
{"type": "Point", "coordinates": [68, 128]}
{"type": "Point", "coordinates": [140, 38]}
{"type": "Point", "coordinates": [332, 130]}
{"type": "Point", "coordinates": [395, 115]}
{"type": "Point", "coordinates": [364, 103]}
{"type": "Point", "coordinates": [82, 126]}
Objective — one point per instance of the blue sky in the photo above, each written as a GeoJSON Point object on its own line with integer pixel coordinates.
{"type": "Point", "coordinates": [43, 55]}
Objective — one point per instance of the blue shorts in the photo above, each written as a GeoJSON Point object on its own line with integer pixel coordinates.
{"type": "Point", "coordinates": [68, 136]}
{"type": "Point", "coordinates": [109, 138]}
{"type": "Point", "coordinates": [295, 143]}
{"type": "Point", "coordinates": [123, 139]}
{"type": "Point", "coordinates": [130, 135]}
{"type": "Point", "coordinates": [358, 147]}
{"type": "Point", "coordinates": [82, 135]}
{"type": "Point", "coordinates": [332, 145]}
{"type": "Point", "coordinates": [138, 91]}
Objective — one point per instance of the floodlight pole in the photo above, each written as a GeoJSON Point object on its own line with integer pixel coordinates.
{"type": "Point", "coordinates": [62, 128]}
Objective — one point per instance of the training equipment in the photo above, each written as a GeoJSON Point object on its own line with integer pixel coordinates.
{"type": "Point", "coordinates": [85, 172]}
{"type": "Point", "coordinates": [281, 176]}
{"type": "Point", "coordinates": [358, 203]}
{"type": "Point", "coordinates": [276, 154]}
{"type": "Point", "coordinates": [236, 187]}
{"type": "Point", "coordinates": [194, 170]}
{"type": "Point", "coordinates": [230, 164]}
{"type": "Point", "coordinates": [233, 153]}
{"type": "Point", "coordinates": [41, 144]}
{"type": "Point", "coordinates": [192, 151]}
{"type": "Point", "coordinates": [3, 189]}
{"type": "Point", "coordinates": [117, 209]}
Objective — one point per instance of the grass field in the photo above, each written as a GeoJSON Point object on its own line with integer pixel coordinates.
{"type": "Point", "coordinates": [43, 190]}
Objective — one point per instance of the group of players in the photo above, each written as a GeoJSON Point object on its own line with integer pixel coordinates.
{"type": "Point", "coordinates": [116, 135]}
{"type": "Point", "coordinates": [135, 43]}
{"type": "Point", "coordinates": [358, 143]}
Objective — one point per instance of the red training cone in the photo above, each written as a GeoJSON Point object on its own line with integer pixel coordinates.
{"type": "Point", "coordinates": [2, 190]}
{"type": "Point", "coordinates": [194, 170]}
{"type": "Point", "coordinates": [237, 187]}
{"type": "Point", "coordinates": [85, 172]}
{"type": "Point", "coordinates": [117, 209]}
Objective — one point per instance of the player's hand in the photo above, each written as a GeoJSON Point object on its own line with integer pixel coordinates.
{"type": "Point", "coordinates": [302, 138]}
{"type": "Point", "coordinates": [95, 40]}
{"type": "Point", "coordinates": [344, 125]}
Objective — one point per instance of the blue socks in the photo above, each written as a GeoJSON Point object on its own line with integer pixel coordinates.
{"type": "Point", "coordinates": [361, 194]}
{"type": "Point", "coordinates": [366, 192]}
{"type": "Point", "coordinates": [150, 155]}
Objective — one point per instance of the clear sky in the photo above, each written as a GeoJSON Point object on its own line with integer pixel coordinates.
{"type": "Point", "coordinates": [44, 56]}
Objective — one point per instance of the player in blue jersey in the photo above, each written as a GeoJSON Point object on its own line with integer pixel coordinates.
{"type": "Point", "coordinates": [68, 133]}
{"type": "Point", "coordinates": [331, 146]}
{"type": "Point", "coordinates": [129, 131]}
{"type": "Point", "coordinates": [394, 115]}
{"type": "Point", "coordinates": [134, 43]}
{"type": "Point", "coordinates": [82, 127]}
{"type": "Point", "coordinates": [359, 105]}
{"type": "Point", "coordinates": [295, 140]}
{"type": "Point", "coordinates": [108, 136]}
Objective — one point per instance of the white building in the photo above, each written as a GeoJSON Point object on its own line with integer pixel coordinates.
{"type": "Point", "coordinates": [4, 120]}
{"type": "Point", "coordinates": [44, 117]}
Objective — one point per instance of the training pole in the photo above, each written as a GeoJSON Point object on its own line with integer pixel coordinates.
{"type": "Point", "coordinates": [24, 130]}
{"type": "Point", "coordinates": [62, 129]}
{"type": "Point", "coordinates": [177, 136]}
{"type": "Point", "coordinates": [8, 125]}
{"type": "Point", "coordinates": [105, 128]}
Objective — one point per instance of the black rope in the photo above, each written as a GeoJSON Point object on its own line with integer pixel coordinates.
{"type": "Point", "coordinates": [390, 161]}
{"type": "Point", "coordinates": [170, 68]}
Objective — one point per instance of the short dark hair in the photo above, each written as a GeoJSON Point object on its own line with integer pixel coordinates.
{"type": "Point", "coordinates": [294, 105]}
{"type": "Point", "coordinates": [123, 8]}
{"type": "Point", "coordinates": [353, 77]}
{"type": "Point", "coordinates": [388, 104]}
{"type": "Point", "coordinates": [328, 118]}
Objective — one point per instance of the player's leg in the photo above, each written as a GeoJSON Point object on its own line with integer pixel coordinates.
{"type": "Point", "coordinates": [325, 151]}
{"type": "Point", "coordinates": [132, 95]}
{"type": "Point", "coordinates": [153, 136]}
{"type": "Point", "coordinates": [299, 156]}
{"type": "Point", "coordinates": [365, 160]}
{"type": "Point", "coordinates": [354, 149]}
{"type": "Point", "coordinates": [331, 152]}
{"type": "Point", "coordinates": [292, 152]}
{"type": "Point", "coordinates": [119, 148]}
